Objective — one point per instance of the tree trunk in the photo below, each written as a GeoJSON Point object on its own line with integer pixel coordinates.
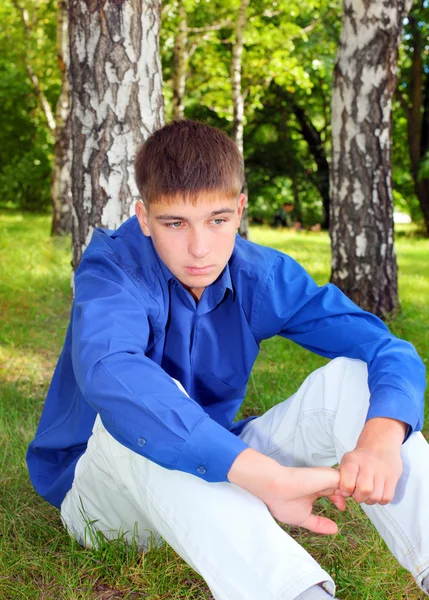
{"type": "Point", "coordinates": [29, 68]}
{"type": "Point", "coordinates": [117, 102]}
{"type": "Point", "coordinates": [61, 169]}
{"type": "Point", "coordinates": [365, 77]}
{"type": "Point", "coordinates": [179, 63]}
{"type": "Point", "coordinates": [238, 99]}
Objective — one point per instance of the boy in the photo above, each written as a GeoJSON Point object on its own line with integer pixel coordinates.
{"type": "Point", "coordinates": [137, 433]}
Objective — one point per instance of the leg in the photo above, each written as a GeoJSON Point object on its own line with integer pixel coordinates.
{"type": "Point", "coordinates": [321, 422]}
{"type": "Point", "coordinates": [223, 532]}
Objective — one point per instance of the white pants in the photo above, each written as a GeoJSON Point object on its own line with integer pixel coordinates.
{"type": "Point", "coordinates": [225, 533]}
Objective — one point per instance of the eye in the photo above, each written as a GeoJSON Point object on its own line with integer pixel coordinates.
{"type": "Point", "coordinates": [174, 225]}
{"type": "Point", "coordinates": [218, 221]}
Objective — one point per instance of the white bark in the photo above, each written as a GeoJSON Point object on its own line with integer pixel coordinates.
{"type": "Point", "coordinates": [116, 104]}
{"type": "Point", "coordinates": [180, 63]}
{"type": "Point", "coordinates": [236, 62]}
{"type": "Point", "coordinates": [30, 71]}
{"type": "Point", "coordinates": [61, 169]}
{"type": "Point", "coordinates": [237, 96]}
{"type": "Point", "coordinates": [365, 77]}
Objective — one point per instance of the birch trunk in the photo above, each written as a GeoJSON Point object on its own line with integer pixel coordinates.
{"type": "Point", "coordinates": [179, 63]}
{"type": "Point", "coordinates": [50, 119]}
{"type": "Point", "coordinates": [365, 77]}
{"type": "Point", "coordinates": [61, 169]}
{"type": "Point", "coordinates": [117, 102]}
{"type": "Point", "coordinates": [238, 98]}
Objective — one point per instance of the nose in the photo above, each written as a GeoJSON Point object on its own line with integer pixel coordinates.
{"type": "Point", "coordinates": [198, 244]}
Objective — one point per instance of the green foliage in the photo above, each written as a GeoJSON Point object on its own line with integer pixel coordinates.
{"type": "Point", "coordinates": [289, 51]}
{"type": "Point", "coordinates": [288, 59]}
{"type": "Point", "coordinates": [26, 143]}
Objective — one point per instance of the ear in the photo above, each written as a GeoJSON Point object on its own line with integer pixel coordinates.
{"type": "Point", "coordinates": [142, 217]}
{"type": "Point", "coordinates": [241, 202]}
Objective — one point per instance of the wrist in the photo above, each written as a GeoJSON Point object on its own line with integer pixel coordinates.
{"type": "Point", "coordinates": [382, 431]}
{"type": "Point", "coordinates": [257, 473]}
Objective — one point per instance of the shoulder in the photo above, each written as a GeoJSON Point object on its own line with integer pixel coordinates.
{"type": "Point", "coordinates": [255, 263]}
{"type": "Point", "coordinates": [259, 275]}
{"type": "Point", "coordinates": [124, 255]}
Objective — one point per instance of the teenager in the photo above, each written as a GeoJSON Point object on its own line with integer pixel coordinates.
{"type": "Point", "coordinates": [137, 436]}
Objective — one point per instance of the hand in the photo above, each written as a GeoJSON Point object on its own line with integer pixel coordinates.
{"type": "Point", "coordinates": [291, 501]}
{"type": "Point", "coordinates": [372, 470]}
{"type": "Point", "coordinates": [370, 475]}
{"type": "Point", "coordinates": [288, 492]}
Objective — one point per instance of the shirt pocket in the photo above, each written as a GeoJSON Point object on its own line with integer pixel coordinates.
{"type": "Point", "coordinates": [212, 389]}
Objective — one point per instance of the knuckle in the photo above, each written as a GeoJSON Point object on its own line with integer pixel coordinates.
{"type": "Point", "coordinates": [376, 499]}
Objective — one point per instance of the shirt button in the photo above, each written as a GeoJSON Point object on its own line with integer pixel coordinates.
{"type": "Point", "coordinates": [141, 441]}
{"type": "Point", "coordinates": [202, 470]}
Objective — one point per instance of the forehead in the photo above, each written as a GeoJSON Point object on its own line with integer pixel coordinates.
{"type": "Point", "coordinates": [206, 204]}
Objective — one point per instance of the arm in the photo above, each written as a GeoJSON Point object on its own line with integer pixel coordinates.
{"type": "Point", "coordinates": [136, 399]}
{"type": "Point", "coordinates": [325, 321]}
{"type": "Point", "coordinates": [288, 492]}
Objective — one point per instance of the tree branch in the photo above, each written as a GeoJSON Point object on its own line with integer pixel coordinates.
{"type": "Point", "coordinates": [215, 27]}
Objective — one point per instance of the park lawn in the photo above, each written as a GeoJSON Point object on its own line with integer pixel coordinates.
{"type": "Point", "coordinates": [37, 559]}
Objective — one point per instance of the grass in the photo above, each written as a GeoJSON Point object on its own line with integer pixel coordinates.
{"type": "Point", "coordinates": [37, 559]}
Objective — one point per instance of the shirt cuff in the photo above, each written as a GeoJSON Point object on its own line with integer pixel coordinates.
{"type": "Point", "coordinates": [398, 407]}
{"type": "Point", "coordinates": [210, 452]}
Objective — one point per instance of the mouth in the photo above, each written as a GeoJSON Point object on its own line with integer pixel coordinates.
{"type": "Point", "coordinates": [199, 270]}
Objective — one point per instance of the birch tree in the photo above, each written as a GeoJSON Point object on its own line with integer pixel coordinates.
{"type": "Point", "coordinates": [238, 98]}
{"type": "Point", "coordinates": [180, 58]}
{"type": "Point", "coordinates": [365, 78]}
{"type": "Point", "coordinates": [117, 102]}
{"type": "Point", "coordinates": [61, 170]}
{"type": "Point", "coordinates": [50, 119]}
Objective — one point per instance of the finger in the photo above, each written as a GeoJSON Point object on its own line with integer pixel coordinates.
{"type": "Point", "coordinates": [339, 501]}
{"type": "Point", "coordinates": [349, 472]}
{"type": "Point", "coordinates": [389, 491]}
{"type": "Point", "coordinates": [320, 481]}
{"type": "Point", "coordinates": [377, 493]}
{"type": "Point", "coordinates": [320, 525]}
{"type": "Point", "coordinates": [364, 485]}
{"type": "Point", "coordinates": [332, 491]}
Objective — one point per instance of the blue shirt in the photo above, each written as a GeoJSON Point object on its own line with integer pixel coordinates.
{"type": "Point", "coordinates": [134, 327]}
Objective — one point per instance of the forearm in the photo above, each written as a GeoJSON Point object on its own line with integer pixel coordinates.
{"type": "Point", "coordinates": [382, 431]}
{"type": "Point", "coordinates": [256, 473]}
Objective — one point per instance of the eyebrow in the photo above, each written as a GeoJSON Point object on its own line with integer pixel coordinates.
{"type": "Point", "coordinates": [179, 218]}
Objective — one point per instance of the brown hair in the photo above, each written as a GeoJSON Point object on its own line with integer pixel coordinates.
{"type": "Point", "coordinates": [186, 158]}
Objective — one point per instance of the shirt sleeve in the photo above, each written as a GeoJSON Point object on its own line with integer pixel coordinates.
{"type": "Point", "coordinates": [323, 320]}
{"type": "Point", "coordinates": [139, 403]}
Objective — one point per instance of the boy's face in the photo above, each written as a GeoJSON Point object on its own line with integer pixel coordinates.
{"type": "Point", "coordinates": [194, 242]}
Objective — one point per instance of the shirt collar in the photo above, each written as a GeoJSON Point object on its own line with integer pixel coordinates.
{"type": "Point", "coordinates": [214, 293]}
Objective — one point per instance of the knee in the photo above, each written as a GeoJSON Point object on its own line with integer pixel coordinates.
{"type": "Point", "coordinates": [345, 380]}
{"type": "Point", "coordinates": [341, 364]}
